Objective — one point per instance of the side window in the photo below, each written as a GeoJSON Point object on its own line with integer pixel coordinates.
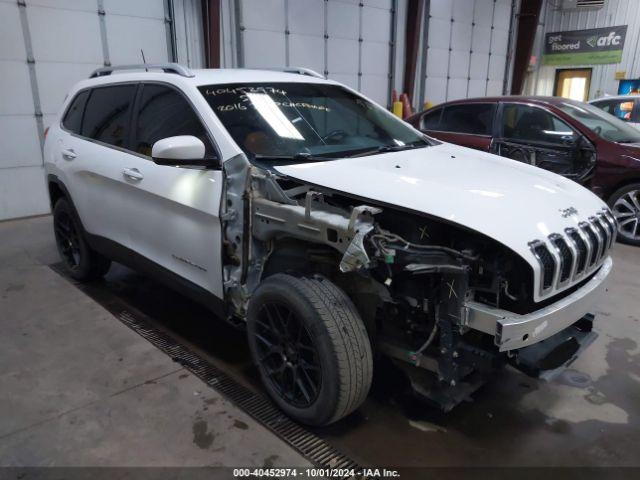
{"type": "Point", "coordinates": [471, 118]}
{"type": "Point", "coordinates": [163, 112]}
{"type": "Point", "coordinates": [73, 118]}
{"type": "Point", "coordinates": [107, 115]}
{"type": "Point", "coordinates": [431, 120]}
{"type": "Point", "coordinates": [533, 124]}
{"type": "Point", "coordinates": [623, 109]}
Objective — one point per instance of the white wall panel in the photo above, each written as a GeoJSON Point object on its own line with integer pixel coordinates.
{"type": "Point", "coordinates": [342, 20]}
{"type": "Point", "coordinates": [376, 25]}
{"type": "Point", "coordinates": [263, 15]}
{"type": "Point", "coordinates": [128, 35]}
{"type": "Point", "coordinates": [304, 51]}
{"type": "Point", "coordinates": [375, 87]}
{"type": "Point", "coordinates": [22, 192]}
{"type": "Point", "coordinates": [135, 8]}
{"type": "Point", "coordinates": [342, 56]}
{"type": "Point", "coordinates": [19, 140]}
{"type": "Point", "coordinates": [64, 35]}
{"type": "Point", "coordinates": [307, 17]}
{"type": "Point", "coordinates": [16, 90]}
{"type": "Point", "coordinates": [264, 49]}
{"type": "Point", "coordinates": [11, 44]}
{"type": "Point", "coordinates": [375, 59]}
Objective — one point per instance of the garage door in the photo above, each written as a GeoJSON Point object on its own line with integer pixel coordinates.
{"type": "Point", "coordinates": [45, 47]}
{"type": "Point", "coordinates": [349, 41]}
{"type": "Point", "coordinates": [467, 49]}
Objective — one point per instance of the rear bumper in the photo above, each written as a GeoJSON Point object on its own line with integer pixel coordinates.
{"type": "Point", "coordinates": [513, 331]}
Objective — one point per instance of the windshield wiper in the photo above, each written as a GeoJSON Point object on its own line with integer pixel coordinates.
{"type": "Point", "coordinates": [300, 157]}
{"type": "Point", "coordinates": [389, 148]}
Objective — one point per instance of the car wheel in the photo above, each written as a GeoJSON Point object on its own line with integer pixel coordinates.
{"type": "Point", "coordinates": [625, 204]}
{"type": "Point", "coordinates": [81, 261]}
{"type": "Point", "coordinates": [311, 348]}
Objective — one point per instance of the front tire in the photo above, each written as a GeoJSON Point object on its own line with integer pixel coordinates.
{"type": "Point", "coordinates": [625, 205]}
{"type": "Point", "coordinates": [80, 260]}
{"type": "Point", "coordinates": [310, 346]}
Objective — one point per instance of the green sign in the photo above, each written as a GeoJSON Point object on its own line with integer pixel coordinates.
{"type": "Point", "coordinates": [585, 47]}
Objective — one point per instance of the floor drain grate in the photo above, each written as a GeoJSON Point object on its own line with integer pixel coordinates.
{"type": "Point", "coordinates": [256, 405]}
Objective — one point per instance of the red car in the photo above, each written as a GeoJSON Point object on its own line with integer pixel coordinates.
{"type": "Point", "coordinates": [573, 139]}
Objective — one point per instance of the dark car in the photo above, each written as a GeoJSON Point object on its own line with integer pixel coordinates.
{"type": "Point", "coordinates": [573, 139]}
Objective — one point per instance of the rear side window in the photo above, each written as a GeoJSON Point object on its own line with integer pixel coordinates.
{"type": "Point", "coordinates": [623, 109]}
{"type": "Point", "coordinates": [108, 113]}
{"type": "Point", "coordinates": [73, 118]}
{"type": "Point", "coordinates": [163, 113]}
{"type": "Point", "coordinates": [431, 120]}
{"type": "Point", "coordinates": [470, 118]}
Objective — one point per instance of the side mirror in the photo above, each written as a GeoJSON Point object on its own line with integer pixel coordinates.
{"type": "Point", "coordinates": [183, 150]}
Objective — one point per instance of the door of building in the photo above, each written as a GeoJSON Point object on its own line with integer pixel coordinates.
{"type": "Point", "coordinates": [573, 84]}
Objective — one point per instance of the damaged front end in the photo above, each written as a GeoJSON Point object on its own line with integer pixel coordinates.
{"type": "Point", "coordinates": [438, 299]}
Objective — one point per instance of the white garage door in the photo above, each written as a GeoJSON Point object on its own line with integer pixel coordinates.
{"type": "Point", "coordinates": [45, 47]}
{"type": "Point", "coordinates": [349, 41]}
{"type": "Point", "coordinates": [467, 49]}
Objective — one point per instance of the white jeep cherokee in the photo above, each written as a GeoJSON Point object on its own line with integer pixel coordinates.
{"type": "Point", "coordinates": [333, 230]}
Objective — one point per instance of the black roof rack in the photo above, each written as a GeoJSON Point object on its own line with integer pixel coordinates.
{"type": "Point", "coordinates": [165, 67]}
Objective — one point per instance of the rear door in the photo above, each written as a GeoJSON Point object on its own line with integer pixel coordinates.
{"type": "Point", "coordinates": [95, 153]}
{"type": "Point", "coordinates": [466, 124]}
{"type": "Point", "coordinates": [173, 212]}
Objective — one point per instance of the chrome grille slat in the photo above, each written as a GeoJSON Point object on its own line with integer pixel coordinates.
{"type": "Point", "coordinates": [596, 228]}
{"type": "Point", "coordinates": [566, 258]}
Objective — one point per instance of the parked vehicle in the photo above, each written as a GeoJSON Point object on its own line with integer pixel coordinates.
{"type": "Point", "coordinates": [625, 107]}
{"type": "Point", "coordinates": [573, 139]}
{"type": "Point", "coordinates": [293, 206]}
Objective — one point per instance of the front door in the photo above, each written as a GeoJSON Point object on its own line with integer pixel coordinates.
{"type": "Point", "coordinates": [573, 84]}
{"type": "Point", "coordinates": [534, 135]}
{"type": "Point", "coordinates": [173, 212]}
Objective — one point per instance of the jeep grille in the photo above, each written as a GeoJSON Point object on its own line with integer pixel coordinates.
{"type": "Point", "coordinates": [567, 258]}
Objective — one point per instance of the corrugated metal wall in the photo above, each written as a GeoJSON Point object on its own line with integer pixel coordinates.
{"type": "Point", "coordinates": [615, 12]}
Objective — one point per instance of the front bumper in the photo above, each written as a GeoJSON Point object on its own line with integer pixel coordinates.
{"type": "Point", "coordinates": [513, 331]}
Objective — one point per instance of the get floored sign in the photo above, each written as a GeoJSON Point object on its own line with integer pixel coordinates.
{"type": "Point", "coordinates": [585, 47]}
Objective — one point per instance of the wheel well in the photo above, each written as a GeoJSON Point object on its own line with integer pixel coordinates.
{"type": "Point", "coordinates": [55, 193]}
{"type": "Point", "coordinates": [299, 257]}
{"type": "Point", "coordinates": [622, 184]}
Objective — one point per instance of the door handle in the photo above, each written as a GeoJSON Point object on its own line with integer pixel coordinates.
{"type": "Point", "coordinates": [133, 174]}
{"type": "Point", "coordinates": [69, 154]}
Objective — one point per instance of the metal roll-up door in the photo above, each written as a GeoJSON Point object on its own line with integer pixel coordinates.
{"type": "Point", "coordinates": [347, 40]}
{"type": "Point", "coordinates": [466, 51]}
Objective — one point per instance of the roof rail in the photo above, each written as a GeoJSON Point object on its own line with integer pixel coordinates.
{"type": "Point", "coordinates": [302, 71]}
{"type": "Point", "coordinates": [165, 67]}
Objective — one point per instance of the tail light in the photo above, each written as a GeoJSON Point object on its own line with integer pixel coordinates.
{"type": "Point", "coordinates": [46, 130]}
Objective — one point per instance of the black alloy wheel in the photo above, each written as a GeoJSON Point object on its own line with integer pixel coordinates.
{"type": "Point", "coordinates": [288, 355]}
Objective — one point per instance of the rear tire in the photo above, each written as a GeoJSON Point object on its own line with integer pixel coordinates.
{"type": "Point", "coordinates": [80, 260]}
{"type": "Point", "coordinates": [625, 205]}
{"type": "Point", "coordinates": [311, 348]}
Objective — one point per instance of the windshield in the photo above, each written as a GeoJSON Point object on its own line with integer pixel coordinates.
{"type": "Point", "coordinates": [601, 123]}
{"type": "Point", "coordinates": [306, 121]}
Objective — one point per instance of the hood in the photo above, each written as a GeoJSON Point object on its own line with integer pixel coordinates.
{"type": "Point", "coordinates": [504, 199]}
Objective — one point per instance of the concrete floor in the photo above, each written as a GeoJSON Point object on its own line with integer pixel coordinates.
{"type": "Point", "coordinates": [78, 388]}
{"type": "Point", "coordinates": [589, 416]}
